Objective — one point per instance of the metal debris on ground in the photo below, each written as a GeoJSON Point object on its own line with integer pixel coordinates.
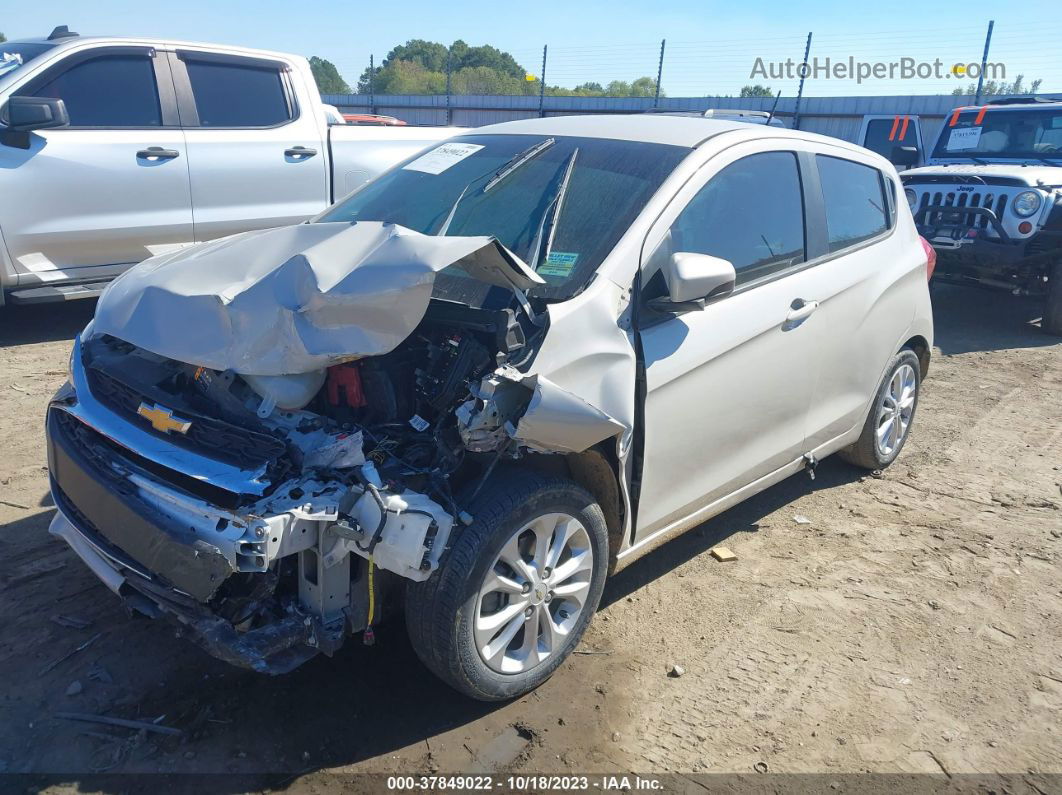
{"type": "Point", "coordinates": [71, 622]}
{"type": "Point", "coordinates": [801, 519]}
{"type": "Point", "coordinates": [69, 654]}
{"type": "Point", "coordinates": [125, 724]}
{"type": "Point", "coordinates": [723, 554]}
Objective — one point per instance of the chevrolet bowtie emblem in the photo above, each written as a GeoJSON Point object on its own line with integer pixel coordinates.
{"type": "Point", "coordinates": [162, 419]}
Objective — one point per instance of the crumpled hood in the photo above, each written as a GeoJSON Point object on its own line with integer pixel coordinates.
{"type": "Point", "coordinates": [1031, 175]}
{"type": "Point", "coordinates": [294, 299]}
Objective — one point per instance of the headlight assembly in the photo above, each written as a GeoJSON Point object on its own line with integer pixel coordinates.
{"type": "Point", "coordinates": [1026, 203]}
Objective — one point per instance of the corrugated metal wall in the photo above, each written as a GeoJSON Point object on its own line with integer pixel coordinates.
{"type": "Point", "coordinates": [836, 116]}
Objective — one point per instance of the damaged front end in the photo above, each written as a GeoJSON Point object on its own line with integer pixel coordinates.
{"type": "Point", "coordinates": [264, 438]}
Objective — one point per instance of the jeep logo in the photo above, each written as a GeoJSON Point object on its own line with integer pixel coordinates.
{"type": "Point", "coordinates": [964, 187]}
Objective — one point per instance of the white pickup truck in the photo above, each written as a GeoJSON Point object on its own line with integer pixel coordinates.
{"type": "Point", "coordinates": [113, 150]}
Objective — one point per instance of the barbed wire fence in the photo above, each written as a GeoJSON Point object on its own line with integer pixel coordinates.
{"type": "Point", "coordinates": [717, 68]}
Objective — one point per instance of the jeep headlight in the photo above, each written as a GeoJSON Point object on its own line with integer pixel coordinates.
{"type": "Point", "coordinates": [1026, 203]}
{"type": "Point", "coordinates": [912, 198]}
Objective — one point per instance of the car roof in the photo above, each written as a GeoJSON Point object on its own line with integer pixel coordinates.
{"type": "Point", "coordinates": [77, 40]}
{"type": "Point", "coordinates": [1050, 104]}
{"type": "Point", "coordinates": [689, 131]}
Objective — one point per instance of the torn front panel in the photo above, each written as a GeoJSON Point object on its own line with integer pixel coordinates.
{"type": "Point", "coordinates": [534, 412]}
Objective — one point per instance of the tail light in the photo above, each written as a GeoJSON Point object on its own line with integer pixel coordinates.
{"type": "Point", "coordinates": [931, 257]}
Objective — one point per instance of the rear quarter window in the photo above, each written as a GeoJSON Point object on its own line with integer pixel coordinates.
{"type": "Point", "coordinates": [854, 196]}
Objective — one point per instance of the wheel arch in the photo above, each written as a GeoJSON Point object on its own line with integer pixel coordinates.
{"type": "Point", "coordinates": [921, 348]}
{"type": "Point", "coordinates": [597, 471]}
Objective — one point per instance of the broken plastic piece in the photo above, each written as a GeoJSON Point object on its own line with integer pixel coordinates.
{"type": "Point", "coordinates": [534, 411]}
{"type": "Point", "coordinates": [333, 451]}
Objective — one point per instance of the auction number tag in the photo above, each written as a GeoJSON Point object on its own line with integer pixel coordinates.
{"type": "Point", "coordinates": [442, 157]}
{"type": "Point", "coordinates": [964, 138]}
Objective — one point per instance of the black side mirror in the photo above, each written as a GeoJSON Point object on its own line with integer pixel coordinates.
{"type": "Point", "coordinates": [21, 115]}
{"type": "Point", "coordinates": [904, 155]}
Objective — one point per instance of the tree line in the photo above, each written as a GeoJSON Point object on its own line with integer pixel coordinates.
{"type": "Point", "coordinates": [420, 67]}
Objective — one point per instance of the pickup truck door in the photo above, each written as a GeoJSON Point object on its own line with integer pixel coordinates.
{"type": "Point", "coordinates": [727, 388]}
{"type": "Point", "coordinates": [111, 188]}
{"type": "Point", "coordinates": [889, 135]}
{"type": "Point", "coordinates": [257, 155]}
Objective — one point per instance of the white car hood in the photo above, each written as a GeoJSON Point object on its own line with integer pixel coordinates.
{"type": "Point", "coordinates": [294, 299]}
{"type": "Point", "coordinates": [1031, 175]}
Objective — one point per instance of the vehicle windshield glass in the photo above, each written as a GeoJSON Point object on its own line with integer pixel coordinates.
{"type": "Point", "coordinates": [1000, 133]}
{"type": "Point", "coordinates": [559, 203]}
{"type": "Point", "coordinates": [14, 54]}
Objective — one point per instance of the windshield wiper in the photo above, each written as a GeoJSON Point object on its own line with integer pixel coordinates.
{"type": "Point", "coordinates": [514, 163]}
{"type": "Point", "coordinates": [518, 161]}
{"type": "Point", "coordinates": [551, 215]}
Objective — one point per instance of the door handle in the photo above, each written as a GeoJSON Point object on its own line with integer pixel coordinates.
{"type": "Point", "coordinates": [157, 153]}
{"type": "Point", "coordinates": [800, 310]}
{"type": "Point", "coordinates": [300, 151]}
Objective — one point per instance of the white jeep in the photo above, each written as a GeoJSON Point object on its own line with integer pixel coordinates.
{"type": "Point", "coordinates": [989, 200]}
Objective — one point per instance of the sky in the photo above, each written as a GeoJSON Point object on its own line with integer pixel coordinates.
{"type": "Point", "coordinates": [711, 47]}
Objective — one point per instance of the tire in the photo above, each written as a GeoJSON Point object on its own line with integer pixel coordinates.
{"type": "Point", "coordinates": [445, 612]}
{"type": "Point", "coordinates": [1052, 320]}
{"type": "Point", "coordinates": [866, 452]}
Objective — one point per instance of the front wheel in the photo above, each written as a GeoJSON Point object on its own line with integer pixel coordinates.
{"type": "Point", "coordinates": [1052, 321]}
{"type": "Point", "coordinates": [517, 589]}
{"type": "Point", "coordinates": [891, 415]}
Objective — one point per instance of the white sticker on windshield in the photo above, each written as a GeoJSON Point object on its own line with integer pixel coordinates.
{"type": "Point", "coordinates": [442, 157]}
{"type": "Point", "coordinates": [964, 138]}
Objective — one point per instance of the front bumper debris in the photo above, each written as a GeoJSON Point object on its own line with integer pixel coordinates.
{"type": "Point", "coordinates": [276, 648]}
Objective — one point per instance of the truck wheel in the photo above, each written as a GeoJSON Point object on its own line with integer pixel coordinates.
{"type": "Point", "coordinates": [515, 591]}
{"type": "Point", "coordinates": [891, 415]}
{"type": "Point", "coordinates": [1052, 320]}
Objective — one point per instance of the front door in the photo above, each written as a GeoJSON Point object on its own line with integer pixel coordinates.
{"type": "Point", "coordinates": [728, 388]}
{"type": "Point", "coordinates": [111, 188]}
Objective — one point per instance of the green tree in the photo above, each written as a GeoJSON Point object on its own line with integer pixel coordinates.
{"type": "Point", "coordinates": [3, 38]}
{"type": "Point", "coordinates": [327, 77]}
{"type": "Point", "coordinates": [992, 88]}
{"type": "Point", "coordinates": [419, 67]}
{"type": "Point", "coordinates": [756, 91]}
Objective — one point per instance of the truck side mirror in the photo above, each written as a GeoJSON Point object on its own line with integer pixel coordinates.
{"type": "Point", "coordinates": [21, 115]}
{"type": "Point", "coordinates": [691, 279]}
{"type": "Point", "coordinates": [904, 155]}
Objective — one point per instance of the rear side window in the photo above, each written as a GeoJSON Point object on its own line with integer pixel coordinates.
{"type": "Point", "coordinates": [854, 196]}
{"type": "Point", "coordinates": [108, 91]}
{"type": "Point", "coordinates": [237, 95]}
{"type": "Point", "coordinates": [750, 213]}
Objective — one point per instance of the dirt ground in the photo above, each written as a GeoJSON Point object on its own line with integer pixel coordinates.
{"type": "Point", "coordinates": [904, 623]}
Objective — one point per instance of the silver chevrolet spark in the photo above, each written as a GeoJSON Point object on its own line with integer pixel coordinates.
{"type": "Point", "coordinates": [485, 381]}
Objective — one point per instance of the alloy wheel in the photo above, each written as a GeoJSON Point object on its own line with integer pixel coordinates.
{"type": "Point", "coordinates": [896, 409]}
{"type": "Point", "coordinates": [534, 594]}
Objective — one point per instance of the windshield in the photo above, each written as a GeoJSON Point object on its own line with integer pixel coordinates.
{"type": "Point", "coordinates": [14, 54]}
{"type": "Point", "coordinates": [559, 203]}
{"type": "Point", "coordinates": [1019, 134]}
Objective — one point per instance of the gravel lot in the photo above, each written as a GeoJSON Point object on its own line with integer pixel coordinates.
{"type": "Point", "coordinates": [911, 624]}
